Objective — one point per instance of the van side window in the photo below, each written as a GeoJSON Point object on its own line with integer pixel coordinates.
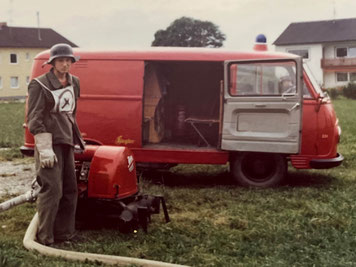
{"type": "Point", "coordinates": [267, 78]}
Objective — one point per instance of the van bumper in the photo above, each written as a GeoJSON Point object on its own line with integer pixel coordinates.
{"type": "Point", "coordinates": [27, 151]}
{"type": "Point", "coordinates": [326, 163]}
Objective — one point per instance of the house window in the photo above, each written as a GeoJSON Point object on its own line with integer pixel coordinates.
{"type": "Point", "coordinates": [27, 80]}
{"type": "Point", "coordinates": [27, 56]}
{"type": "Point", "coordinates": [353, 77]}
{"type": "Point", "coordinates": [13, 58]}
{"type": "Point", "coordinates": [341, 76]}
{"type": "Point", "coordinates": [341, 52]}
{"type": "Point", "coordinates": [346, 52]}
{"type": "Point", "coordinates": [304, 53]}
{"type": "Point", "coordinates": [14, 82]}
{"type": "Point", "coordinates": [352, 52]}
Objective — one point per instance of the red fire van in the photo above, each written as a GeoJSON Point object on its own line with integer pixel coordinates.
{"type": "Point", "coordinates": [256, 110]}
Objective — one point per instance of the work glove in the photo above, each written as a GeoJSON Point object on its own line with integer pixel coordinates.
{"type": "Point", "coordinates": [43, 142]}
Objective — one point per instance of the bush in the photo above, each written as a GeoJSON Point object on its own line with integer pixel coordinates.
{"type": "Point", "coordinates": [334, 92]}
{"type": "Point", "coordinates": [350, 91]}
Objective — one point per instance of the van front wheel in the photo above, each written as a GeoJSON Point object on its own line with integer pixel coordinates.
{"type": "Point", "coordinates": [252, 169]}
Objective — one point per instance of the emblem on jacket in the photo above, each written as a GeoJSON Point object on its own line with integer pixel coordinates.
{"type": "Point", "coordinates": [65, 100]}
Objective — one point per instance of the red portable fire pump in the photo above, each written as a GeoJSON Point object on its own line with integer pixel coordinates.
{"type": "Point", "coordinates": [108, 187]}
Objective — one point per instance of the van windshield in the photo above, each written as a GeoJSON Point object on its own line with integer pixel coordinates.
{"type": "Point", "coordinates": [263, 78]}
{"type": "Point", "coordinates": [313, 81]}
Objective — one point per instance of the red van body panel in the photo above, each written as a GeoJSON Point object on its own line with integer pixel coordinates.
{"type": "Point", "coordinates": [174, 155]}
{"type": "Point", "coordinates": [100, 103]}
{"type": "Point", "coordinates": [320, 134]}
{"type": "Point", "coordinates": [110, 108]}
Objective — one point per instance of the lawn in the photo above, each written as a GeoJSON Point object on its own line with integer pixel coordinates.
{"type": "Point", "coordinates": [310, 221]}
{"type": "Point", "coordinates": [12, 133]}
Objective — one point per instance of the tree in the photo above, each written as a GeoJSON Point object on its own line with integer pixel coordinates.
{"type": "Point", "coordinates": [189, 32]}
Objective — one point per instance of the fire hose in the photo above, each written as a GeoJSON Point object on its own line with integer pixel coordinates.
{"type": "Point", "coordinates": [30, 243]}
{"type": "Point", "coordinates": [29, 196]}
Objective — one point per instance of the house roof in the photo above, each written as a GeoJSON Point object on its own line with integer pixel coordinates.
{"type": "Point", "coordinates": [312, 32]}
{"type": "Point", "coordinates": [29, 37]}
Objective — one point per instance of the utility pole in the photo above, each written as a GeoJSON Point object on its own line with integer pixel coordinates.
{"type": "Point", "coordinates": [38, 26]}
{"type": "Point", "coordinates": [334, 10]}
{"type": "Point", "coordinates": [10, 12]}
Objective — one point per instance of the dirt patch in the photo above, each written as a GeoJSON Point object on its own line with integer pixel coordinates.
{"type": "Point", "coordinates": [16, 177]}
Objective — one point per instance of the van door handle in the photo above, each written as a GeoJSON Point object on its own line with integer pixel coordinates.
{"type": "Point", "coordinates": [260, 105]}
{"type": "Point", "coordinates": [295, 106]}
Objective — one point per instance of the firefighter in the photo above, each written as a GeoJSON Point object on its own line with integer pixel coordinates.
{"type": "Point", "coordinates": [52, 102]}
{"type": "Point", "coordinates": [286, 85]}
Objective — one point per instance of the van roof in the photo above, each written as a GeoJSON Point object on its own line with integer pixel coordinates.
{"type": "Point", "coordinates": [172, 54]}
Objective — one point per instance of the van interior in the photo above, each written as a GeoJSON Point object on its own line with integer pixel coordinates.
{"type": "Point", "coordinates": [182, 104]}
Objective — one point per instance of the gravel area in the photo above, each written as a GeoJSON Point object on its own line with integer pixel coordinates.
{"type": "Point", "coordinates": [16, 177]}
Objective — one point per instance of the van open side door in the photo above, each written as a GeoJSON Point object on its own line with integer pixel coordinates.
{"type": "Point", "coordinates": [262, 105]}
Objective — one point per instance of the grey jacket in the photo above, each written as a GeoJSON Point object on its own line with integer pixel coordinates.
{"type": "Point", "coordinates": [62, 126]}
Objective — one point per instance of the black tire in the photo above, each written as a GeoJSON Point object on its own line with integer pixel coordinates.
{"type": "Point", "coordinates": [252, 169]}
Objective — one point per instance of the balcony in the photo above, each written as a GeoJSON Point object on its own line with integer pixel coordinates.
{"type": "Point", "coordinates": [334, 64]}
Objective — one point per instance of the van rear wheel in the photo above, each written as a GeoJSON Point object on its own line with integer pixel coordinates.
{"type": "Point", "coordinates": [252, 169]}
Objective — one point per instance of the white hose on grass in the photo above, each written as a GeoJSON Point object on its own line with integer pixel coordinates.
{"type": "Point", "coordinates": [29, 196]}
{"type": "Point", "coordinates": [30, 243]}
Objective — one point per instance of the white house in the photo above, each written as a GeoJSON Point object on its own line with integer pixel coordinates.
{"type": "Point", "coordinates": [18, 47]}
{"type": "Point", "coordinates": [328, 47]}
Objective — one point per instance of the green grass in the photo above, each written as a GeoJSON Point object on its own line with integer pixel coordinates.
{"type": "Point", "coordinates": [12, 134]}
{"type": "Point", "coordinates": [345, 109]}
{"type": "Point", "coordinates": [309, 221]}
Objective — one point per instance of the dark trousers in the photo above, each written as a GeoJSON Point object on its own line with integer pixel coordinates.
{"type": "Point", "coordinates": [57, 200]}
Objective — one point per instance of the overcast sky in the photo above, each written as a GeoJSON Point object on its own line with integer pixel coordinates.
{"type": "Point", "coordinates": [132, 23]}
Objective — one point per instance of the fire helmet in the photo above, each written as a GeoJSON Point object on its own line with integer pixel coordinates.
{"type": "Point", "coordinates": [61, 50]}
{"type": "Point", "coordinates": [286, 78]}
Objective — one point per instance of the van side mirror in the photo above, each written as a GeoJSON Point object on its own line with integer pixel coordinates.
{"type": "Point", "coordinates": [319, 101]}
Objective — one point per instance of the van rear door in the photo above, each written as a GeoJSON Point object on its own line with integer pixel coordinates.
{"type": "Point", "coordinates": [262, 105]}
